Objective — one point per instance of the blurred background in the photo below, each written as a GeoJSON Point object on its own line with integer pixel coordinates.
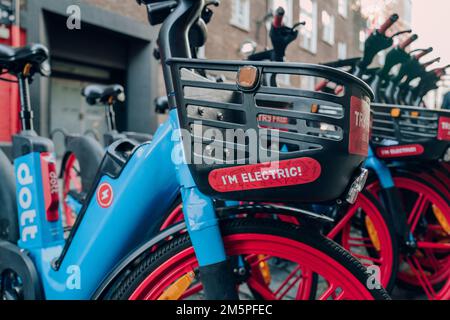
{"type": "Point", "coordinates": [115, 45]}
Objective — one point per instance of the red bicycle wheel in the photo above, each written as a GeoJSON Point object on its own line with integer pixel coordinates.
{"type": "Point", "coordinates": [428, 214]}
{"type": "Point", "coordinates": [367, 232]}
{"type": "Point", "coordinates": [171, 270]}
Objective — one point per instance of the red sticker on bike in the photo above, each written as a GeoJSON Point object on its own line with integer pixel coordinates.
{"type": "Point", "coordinates": [105, 195]}
{"type": "Point", "coordinates": [265, 175]}
{"type": "Point", "coordinates": [359, 127]}
{"type": "Point", "coordinates": [50, 186]}
{"type": "Point", "coordinates": [444, 128]}
{"type": "Point", "coordinates": [400, 151]}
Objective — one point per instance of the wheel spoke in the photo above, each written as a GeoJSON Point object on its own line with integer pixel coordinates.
{"type": "Point", "coordinates": [330, 290]}
{"type": "Point", "coordinates": [434, 246]}
{"type": "Point", "coordinates": [296, 280]}
{"type": "Point", "coordinates": [262, 289]}
{"type": "Point", "coordinates": [304, 284]}
{"type": "Point", "coordinates": [286, 281]}
{"type": "Point", "coordinates": [363, 257]}
{"type": "Point", "coordinates": [341, 224]}
{"type": "Point", "coordinates": [421, 277]}
{"type": "Point", "coordinates": [416, 212]}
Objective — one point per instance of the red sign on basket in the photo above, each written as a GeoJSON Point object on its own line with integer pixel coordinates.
{"type": "Point", "coordinates": [265, 175]}
{"type": "Point", "coordinates": [444, 128]}
{"type": "Point", "coordinates": [359, 127]}
{"type": "Point", "coordinates": [400, 151]}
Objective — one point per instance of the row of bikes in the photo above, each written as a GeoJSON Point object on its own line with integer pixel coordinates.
{"type": "Point", "coordinates": [340, 192]}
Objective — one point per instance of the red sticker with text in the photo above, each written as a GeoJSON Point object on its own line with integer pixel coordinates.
{"type": "Point", "coordinates": [265, 175]}
{"type": "Point", "coordinates": [400, 151]}
{"type": "Point", "coordinates": [359, 127]}
{"type": "Point", "coordinates": [444, 128]}
{"type": "Point", "coordinates": [105, 195]}
{"type": "Point", "coordinates": [50, 186]}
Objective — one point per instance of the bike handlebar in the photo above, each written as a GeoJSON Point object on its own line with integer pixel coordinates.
{"type": "Point", "coordinates": [429, 63]}
{"type": "Point", "coordinates": [441, 71]}
{"type": "Point", "coordinates": [389, 22]}
{"type": "Point", "coordinates": [423, 53]}
{"type": "Point", "coordinates": [408, 41]}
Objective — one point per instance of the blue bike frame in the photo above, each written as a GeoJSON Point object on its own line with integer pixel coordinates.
{"type": "Point", "coordinates": [144, 191]}
{"type": "Point", "coordinates": [390, 197]}
{"type": "Point", "coordinates": [380, 169]}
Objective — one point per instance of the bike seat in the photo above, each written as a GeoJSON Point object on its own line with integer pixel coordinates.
{"type": "Point", "coordinates": [97, 93]}
{"type": "Point", "coordinates": [15, 59]}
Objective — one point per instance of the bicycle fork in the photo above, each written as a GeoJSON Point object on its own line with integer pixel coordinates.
{"type": "Point", "coordinates": [391, 200]}
{"type": "Point", "coordinates": [216, 271]}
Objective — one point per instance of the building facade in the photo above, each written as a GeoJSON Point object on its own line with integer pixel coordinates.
{"type": "Point", "coordinates": [114, 44]}
{"type": "Point", "coordinates": [332, 29]}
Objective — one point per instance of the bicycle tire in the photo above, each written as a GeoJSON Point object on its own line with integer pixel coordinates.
{"type": "Point", "coordinates": [139, 270]}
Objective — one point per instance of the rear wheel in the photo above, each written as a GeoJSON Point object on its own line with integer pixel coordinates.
{"type": "Point", "coordinates": [171, 271]}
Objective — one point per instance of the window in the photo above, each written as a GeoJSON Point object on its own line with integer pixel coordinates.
{"type": "Point", "coordinates": [308, 33]}
{"type": "Point", "coordinates": [287, 6]}
{"type": "Point", "coordinates": [342, 50]}
{"type": "Point", "coordinates": [343, 8]}
{"type": "Point", "coordinates": [362, 40]}
{"type": "Point", "coordinates": [240, 14]}
{"type": "Point", "coordinates": [407, 9]}
{"type": "Point", "coordinates": [307, 83]}
{"type": "Point", "coordinates": [328, 27]}
{"type": "Point", "coordinates": [284, 79]}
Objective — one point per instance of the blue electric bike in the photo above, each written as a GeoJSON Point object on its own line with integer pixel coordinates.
{"type": "Point", "coordinates": [108, 254]}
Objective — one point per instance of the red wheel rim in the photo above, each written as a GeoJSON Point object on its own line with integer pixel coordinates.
{"type": "Point", "coordinates": [71, 181]}
{"type": "Point", "coordinates": [249, 244]}
{"type": "Point", "coordinates": [431, 253]}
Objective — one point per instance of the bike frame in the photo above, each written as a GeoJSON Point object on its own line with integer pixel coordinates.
{"type": "Point", "coordinates": [149, 183]}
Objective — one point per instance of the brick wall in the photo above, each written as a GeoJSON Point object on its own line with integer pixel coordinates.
{"type": "Point", "coordinates": [128, 8]}
{"type": "Point", "coordinates": [224, 39]}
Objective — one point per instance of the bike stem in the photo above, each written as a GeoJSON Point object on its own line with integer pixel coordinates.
{"type": "Point", "coordinates": [202, 223]}
{"type": "Point", "coordinates": [110, 116]}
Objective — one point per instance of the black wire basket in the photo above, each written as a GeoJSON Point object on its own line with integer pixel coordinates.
{"type": "Point", "coordinates": [410, 133]}
{"type": "Point", "coordinates": [246, 140]}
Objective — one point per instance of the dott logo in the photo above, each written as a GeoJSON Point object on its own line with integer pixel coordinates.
{"type": "Point", "coordinates": [28, 225]}
{"type": "Point", "coordinates": [105, 195]}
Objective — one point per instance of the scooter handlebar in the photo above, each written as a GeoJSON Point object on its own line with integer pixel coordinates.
{"type": "Point", "coordinates": [408, 41]}
{"type": "Point", "coordinates": [389, 23]}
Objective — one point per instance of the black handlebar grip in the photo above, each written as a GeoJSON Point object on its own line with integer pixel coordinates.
{"type": "Point", "coordinates": [389, 22]}
{"type": "Point", "coordinates": [278, 17]}
{"type": "Point", "coordinates": [408, 41]}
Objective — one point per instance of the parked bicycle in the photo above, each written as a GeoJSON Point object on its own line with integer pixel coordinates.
{"type": "Point", "coordinates": [414, 192]}
{"type": "Point", "coordinates": [136, 185]}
